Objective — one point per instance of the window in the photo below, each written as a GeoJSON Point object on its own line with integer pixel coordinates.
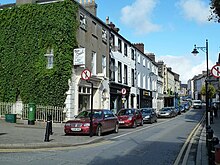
{"type": "Point", "coordinates": [112, 40]}
{"type": "Point", "coordinates": [139, 80]}
{"type": "Point", "coordinates": [49, 56]}
{"type": "Point", "coordinates": [132, 77]}
{"type": "Point", "coordinates": [104, 35]}
{"type": "Point", "coordinates": [83, 23]}
{"type": "Point", "coordinates": [125, 74]}
{"type": "Point", "coordinates": [94, 32]}
{"type": "Point", "coordinates": [144, 62]}
{"type": "Point", "coordinates": [139, 58]}
{"type": "Point", "coordinates": [112, 69]}
{"type": "Point", "coordinates": [119, 45]}
{"type": "Point", "coordinates": [132, 54]}
{"type": "Point", "coordinates": [119, 72]}
{"type": "Point", "coordinates": [144, 81]}
{"type": "Point", "coordinates": [93, 63]}
{"type": "Point", "coordinates": [104, 65]}
{"type": "Point", "coordinates": [125, 49]}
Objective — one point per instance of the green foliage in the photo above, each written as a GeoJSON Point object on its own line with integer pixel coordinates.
{"type": "Point", "coordinates": [211, 90]}
{"type": "Point", "coordinates": [215, 10]}
{"type": "Point", "coordinates": [26, 33]}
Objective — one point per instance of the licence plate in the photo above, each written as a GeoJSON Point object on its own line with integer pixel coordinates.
{"type": "Point", "coordinates": [75, 129]}
{"type": "Point", "coordinates": [121, 121]}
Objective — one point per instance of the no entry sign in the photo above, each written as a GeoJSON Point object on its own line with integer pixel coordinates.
{"type": "Point", "coordinates": [216, 71]}
{"type": "Point", "coordinates": [86, 74]}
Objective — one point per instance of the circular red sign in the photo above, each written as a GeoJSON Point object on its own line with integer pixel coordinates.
{"type": "Point", "coordinates": [215, 71]}
{"type": "Point", "coordinates": [123, 91]}
{"type": "Point", "coordinates": [86, 74]}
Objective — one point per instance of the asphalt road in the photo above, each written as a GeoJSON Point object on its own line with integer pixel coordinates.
{"type": "Point", "coordinates": [152, 144]}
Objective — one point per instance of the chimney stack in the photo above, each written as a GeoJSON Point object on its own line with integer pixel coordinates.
{"type": "Point", "coordinates": [90, 6]}
{"type": "Point", "coordinates": [139, 46]}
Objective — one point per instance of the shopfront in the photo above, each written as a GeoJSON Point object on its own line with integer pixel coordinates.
{"type": "Point", "coordinates": [145, 98]}
{"type": "Point", "coordinates": [119, 100]}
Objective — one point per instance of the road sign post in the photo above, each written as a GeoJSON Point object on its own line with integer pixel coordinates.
{"type": "Point", "coordinates": [85, 75]}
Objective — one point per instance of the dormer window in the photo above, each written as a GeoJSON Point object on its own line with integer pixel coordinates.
{"type": "Point", "coordinates": [49, 55]}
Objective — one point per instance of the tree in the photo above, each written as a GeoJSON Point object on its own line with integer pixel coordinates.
{"type": "Point", "coordinates": [211, 90]}
{"type": "Point", "coordinates": [215, 10]}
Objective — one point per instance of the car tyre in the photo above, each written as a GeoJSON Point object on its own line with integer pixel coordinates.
{"type": "Point", "coordinates": [99, 130]}
{"type": "Point", "coordinates": [116, 128]}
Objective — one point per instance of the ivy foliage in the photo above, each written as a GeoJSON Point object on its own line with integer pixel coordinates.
{"type": "Point", "coordinates": [27, 32]}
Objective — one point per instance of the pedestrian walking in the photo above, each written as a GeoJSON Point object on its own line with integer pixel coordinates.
{"type": "Point", "coordinates": [215, 109]}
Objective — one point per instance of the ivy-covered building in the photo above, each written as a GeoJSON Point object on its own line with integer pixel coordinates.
{"type": "Point", "coordinates": [37, 45]}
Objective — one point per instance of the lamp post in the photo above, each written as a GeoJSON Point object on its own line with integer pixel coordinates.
{"type": "Point", "coordinates": [195, 52]}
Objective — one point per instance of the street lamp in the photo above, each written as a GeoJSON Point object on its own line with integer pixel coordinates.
{"type": "Point", "coordinates": [195, 52]}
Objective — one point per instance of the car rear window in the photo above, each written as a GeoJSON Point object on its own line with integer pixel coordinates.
{"type": "Point", "coordinates": [126, 112]}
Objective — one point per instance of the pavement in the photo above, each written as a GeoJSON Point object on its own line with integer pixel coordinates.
{"type": "Point", "coordinates": [21, 135]}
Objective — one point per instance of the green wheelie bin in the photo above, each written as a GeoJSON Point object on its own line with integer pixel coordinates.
{"type": "Point", "coordinates": [31, 113]}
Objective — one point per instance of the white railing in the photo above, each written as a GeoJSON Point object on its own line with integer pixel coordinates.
{"type": "Point", "coordinates": [42, 112]}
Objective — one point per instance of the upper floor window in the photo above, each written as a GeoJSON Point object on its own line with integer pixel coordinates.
{"type": "Point", "coordinates": [132, 77]}
{"type": "Point", "coordinates": [132, 54]}
{"type": "Point", "coordinates": [94, 32]}
{"type": "Point", "coordinates": [139, 58]}
{"type": "Point", "coordinates": [119, 45]}
{"type": "Point", "coordinates": [144, 62]}
{"type": "Point", "coordinates": [112, 40]}
{"type": "Point", "coordinates": [104, 65]}
{"type": "Point", "coordinates": [125, 49]}
{"type": "Point", "coordinates": [125, 74]}
{"type": "Point", "coordinates": [83, 22]}
{"type": "Point", "coordinates": [119, 72]}
{"type": "Point", "coordinates": [104, 35]}
{"type": "Point", "coordinates": [49, 55]}
{"type": "Point", "coordinates": [93, 63]}
{"type": "Point", "coordinates": [112, 69]}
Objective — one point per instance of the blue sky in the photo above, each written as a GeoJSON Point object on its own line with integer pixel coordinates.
{"type": "Point", "coordinates": [168, 28]}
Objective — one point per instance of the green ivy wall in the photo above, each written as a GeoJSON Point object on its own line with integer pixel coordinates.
{"type": "Point", "coordinates": [26, 33]}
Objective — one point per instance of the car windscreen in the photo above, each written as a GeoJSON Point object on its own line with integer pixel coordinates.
{"type": "Point", "coordinates": [146, 111]}
{"type": "Point", "coordinates": [126, 112]}
{"type": "Point", "coordinates": [165, 109]}
{"type": "Point", "coordinates": [86, 114]}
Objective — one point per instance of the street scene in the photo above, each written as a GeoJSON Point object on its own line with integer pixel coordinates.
{"type": "Point", "coordinates": [88, 82]}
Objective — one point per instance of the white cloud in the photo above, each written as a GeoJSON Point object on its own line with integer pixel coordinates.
{"type": "Point", "coordinates": [137, 16]}
{"type": "Point", "coordinates": [196, 10]}
{"type": "Point", "coordinates": [184, 66]}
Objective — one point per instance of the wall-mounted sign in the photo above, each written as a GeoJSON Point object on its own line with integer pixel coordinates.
{"type": "Point", "coordinates": [216, 71]}
{"type": "Point", "coordinates": [86, 74]}
{"type": "Point", "coordinates": [79, 56]}
{"type": "Point", "coordinates": [146, 93]}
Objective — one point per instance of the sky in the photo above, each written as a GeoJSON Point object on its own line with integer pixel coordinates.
{"type": "Point", "coordinates": [167, 28]}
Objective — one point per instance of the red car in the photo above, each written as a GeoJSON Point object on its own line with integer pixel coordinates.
{"type": "Point", "coordinates": [130, 118]}
{"type": "Point", "coordinates": [103, 121]}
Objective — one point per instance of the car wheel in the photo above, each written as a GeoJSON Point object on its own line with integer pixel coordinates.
{"type": "Point", "coordinates": [99, 130]}
{"type": "Point", "coordinates": [116, 128]}
{"type": "Point", "coordinates": [134, 124]}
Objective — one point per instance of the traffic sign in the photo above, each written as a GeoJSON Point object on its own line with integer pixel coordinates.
{"type": "Point", "coordinates": [86, 74]}
{"type": "Point", "coordinates": [215, 71]}
{"type": "Point", "coordinates": [123, 91]}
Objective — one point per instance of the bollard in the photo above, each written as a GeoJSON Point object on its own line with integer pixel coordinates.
{"type": "Point", "coordinates": [209, 136]}
{"type": "Point", "coordinates": [48, 128]}
{"type": "Point", "coordinates": [214, 142]}
{"type": "Point", "coordinates": [217, 154]}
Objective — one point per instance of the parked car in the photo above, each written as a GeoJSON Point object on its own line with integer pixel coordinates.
{"type": "Point", "coordinates": [166, 112]}
{"type": "Point", "coordinates": [149, 115]}
{"type": "Point", "coordinates": [197, 104]}
{"type": "Point", "coordinates": [103, 121]}
{"type": "Point", "coordinates": [130, 118]}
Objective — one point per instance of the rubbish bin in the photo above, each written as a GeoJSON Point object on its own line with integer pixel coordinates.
{"type": "Point", "coordinates": [11, 118]}
{"type": "Point", "coordinates": [31, 113]}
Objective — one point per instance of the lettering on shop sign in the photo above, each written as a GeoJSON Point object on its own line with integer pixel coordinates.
{"type": "Point", "coordinates": [146, 93]}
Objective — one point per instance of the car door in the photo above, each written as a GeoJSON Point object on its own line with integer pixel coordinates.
{"type": "Point", "coordinates": [138, 116]}
{"type": "Point", "coordinates": [109, 119]}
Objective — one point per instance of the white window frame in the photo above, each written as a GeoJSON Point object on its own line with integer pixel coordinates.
{"type": "Point", "coordinates": [93, 63]}
{"type": "Point", "coordinates": [104, 65]}
{"type": "Point", "coordinates": [50, 58]}
{"type": "Point", "coordinates": [83, 22]}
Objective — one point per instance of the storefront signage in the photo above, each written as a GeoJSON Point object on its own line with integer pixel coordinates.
{"type": "Point", "coordinates": [146, 93]}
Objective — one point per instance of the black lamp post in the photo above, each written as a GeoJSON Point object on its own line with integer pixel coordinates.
{"type": "Point", "coordinates": [195, 52]}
